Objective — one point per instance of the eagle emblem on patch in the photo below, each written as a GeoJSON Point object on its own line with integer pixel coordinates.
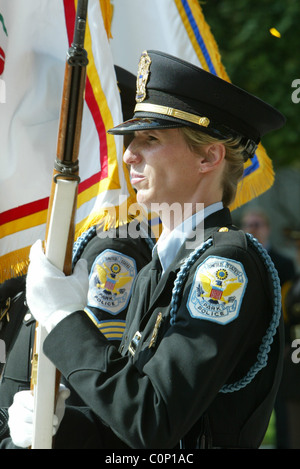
{"type": "Point", "coordinates": [111, 281]}
{"type": "Point", "coordinates": [217, 291]}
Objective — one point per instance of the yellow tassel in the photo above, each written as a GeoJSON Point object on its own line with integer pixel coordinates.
{"type": "Point", "coordinates": [112, 217]}
{"type": "Point", "coordinates": [256, 183]}
{"type": "Point", "coordinates": [14, 264]}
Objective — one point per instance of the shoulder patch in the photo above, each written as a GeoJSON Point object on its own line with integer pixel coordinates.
{"type": "Point", "coordinates": [111, 281]}
{"type": "Point", "coordinates": [217, 291]}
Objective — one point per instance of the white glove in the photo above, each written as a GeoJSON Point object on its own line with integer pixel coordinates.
{"type": "Point", "coordinates": [50, 294]}
{"type": "Point", "coordinates": [20, 420]}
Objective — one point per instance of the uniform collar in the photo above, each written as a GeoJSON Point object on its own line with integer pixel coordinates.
{"type": "Point", "coordinates": [169, 245]}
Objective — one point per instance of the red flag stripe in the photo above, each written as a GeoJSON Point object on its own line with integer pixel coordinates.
{"type": "Point", "coordinates": [42, 204]}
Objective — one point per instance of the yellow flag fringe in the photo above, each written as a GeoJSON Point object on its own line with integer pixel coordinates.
{"type": "Point", "coordinates": [111, 217]}
{"type": "Point", "coordinates": [256, 183]}
{"type": "Point", "coordinates": [14, 264]}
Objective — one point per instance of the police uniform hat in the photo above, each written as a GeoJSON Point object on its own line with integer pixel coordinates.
{"type": "Point", "coordinates": [174, 93]}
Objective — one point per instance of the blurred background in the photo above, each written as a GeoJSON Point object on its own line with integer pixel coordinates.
{"type": "Point", "coordinates": [258, 41]}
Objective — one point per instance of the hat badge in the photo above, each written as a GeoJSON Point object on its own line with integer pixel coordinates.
{"type": "Point", "coordinates": [142, 77]}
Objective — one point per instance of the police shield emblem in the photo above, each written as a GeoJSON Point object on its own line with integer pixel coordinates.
{"type": "Point", "coordinates": [111, 281]}
{"type": "Point", "coordinates": [217, 291]}
{"type": "Point", "coordinates": [142, 77]}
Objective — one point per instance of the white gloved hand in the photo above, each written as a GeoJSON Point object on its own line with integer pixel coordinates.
{"type": "Point", "coordinates": [20, 420]}
{"type": "Point", "coordinates": [50, 294]}
{"type": "Point", "coordinates": [60, 408]}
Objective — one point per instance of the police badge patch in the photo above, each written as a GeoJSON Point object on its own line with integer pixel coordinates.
{"type": "Point", "coordinates": [111, 281]}
{"type": "Point", "coordinates": [217, 292]}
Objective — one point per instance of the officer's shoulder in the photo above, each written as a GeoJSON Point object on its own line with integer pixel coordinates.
{"type": "Point", "coordinates": [127, 234]}
{"type": "Point", "coordinates": [225, 236]}
{"type": "Point", "coordinates": [226, 243]}
{"type": "Point", "coordinates": [233, 244]}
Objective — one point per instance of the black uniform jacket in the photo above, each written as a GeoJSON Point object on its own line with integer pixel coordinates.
{"type": "Point", "coordinates": [18, 332]}
{"type": "Point", "coordinates": [169, 390]}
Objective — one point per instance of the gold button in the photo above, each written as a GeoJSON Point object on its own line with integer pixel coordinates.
{"type": "Point", "coordinates": [224, 229]}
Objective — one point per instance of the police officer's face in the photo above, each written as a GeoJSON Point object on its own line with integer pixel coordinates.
{"type": "Point", "coordinates": [163, 167]}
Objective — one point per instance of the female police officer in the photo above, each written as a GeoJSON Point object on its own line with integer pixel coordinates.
{"type": "Point", "coordinates": [200, 359]}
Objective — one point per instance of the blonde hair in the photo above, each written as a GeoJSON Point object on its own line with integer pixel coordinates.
{"type": "Point", "coordinates": [234, 168]}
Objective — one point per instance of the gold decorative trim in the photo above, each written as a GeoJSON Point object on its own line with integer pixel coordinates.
{"type": "Point", "coordinates": [155, 330]}
{"type": "Point", "coordinates": [169, 111]}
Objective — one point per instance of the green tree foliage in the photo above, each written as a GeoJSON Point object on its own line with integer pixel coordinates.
{"type": "Point", "coordinates": [262, 63]}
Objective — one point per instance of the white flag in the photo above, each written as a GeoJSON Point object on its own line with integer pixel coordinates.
{"type": "Point", "coordinates": [34, 39]}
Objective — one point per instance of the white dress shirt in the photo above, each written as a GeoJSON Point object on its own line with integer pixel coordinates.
{"type": "Point", "coordinates": [169, 243]}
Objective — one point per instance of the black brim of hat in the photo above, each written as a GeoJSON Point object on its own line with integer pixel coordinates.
{"type": "Point", "coordinates": [145, 123]}
{"type": "Point", "coordinates": [166, 122]}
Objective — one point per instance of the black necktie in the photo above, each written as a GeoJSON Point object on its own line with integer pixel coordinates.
{"type": "Point", "coordinates": [155, 270]}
